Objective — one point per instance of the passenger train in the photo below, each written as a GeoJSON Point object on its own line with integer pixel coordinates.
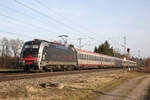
{"type": "Point", "coordinates": [49, 56]}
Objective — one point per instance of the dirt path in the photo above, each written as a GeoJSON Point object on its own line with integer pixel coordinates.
{"type": "Point", "coordinates": [134, 89]}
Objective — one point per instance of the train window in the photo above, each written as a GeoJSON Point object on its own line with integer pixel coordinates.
{"type": "Point", "coordinates": [101, 59]}
{"type": "Point", "coordinates": [98, 58]}
{"type": "Point", "coordinates": [108, 60]}
{"type": "Point", "coordinates": [81, 56]}
{"type": "Point", "coordinates": [105, 59]}
{"type": "Point", "coordinates": [31, 46]}
{"type": "Point", "coordinates": [35, 46]}
{"type": "Point", "coordinates": [85, 56]}
{"type": "Point", "coordinates": [91, 57]}
{"type": "Point", "coordinates": [52, 46]}
{"type": "Point", "coordinates": [27, 46]}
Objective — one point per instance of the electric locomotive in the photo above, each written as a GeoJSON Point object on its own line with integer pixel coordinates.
{"type": "Point", "coordinates": [44, 55]}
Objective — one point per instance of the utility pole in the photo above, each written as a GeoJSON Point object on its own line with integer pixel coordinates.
{"type": "Point", "coordinates": [139, 53]}
{"type": "Point", "coordinates": [80, 39]}
{"type": "Point", "coordinates": [80, 44]}
{"type": "Point", "coordinates": [125, 39]}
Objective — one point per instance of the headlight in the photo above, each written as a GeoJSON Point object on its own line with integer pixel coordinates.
{"type": "Point", "coordinates": [23, 61]}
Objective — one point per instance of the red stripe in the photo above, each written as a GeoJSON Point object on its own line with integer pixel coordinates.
{"type": "Point", "coordinates": [98, 64]}
{"type": "Point", "coordinates": [29, 58]}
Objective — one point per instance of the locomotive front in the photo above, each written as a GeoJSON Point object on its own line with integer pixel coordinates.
{"type": "Point", "coordinates": [29, 55]}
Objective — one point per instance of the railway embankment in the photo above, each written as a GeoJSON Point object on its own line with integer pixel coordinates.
{"type": "Point", "coordinates": [84, 86]}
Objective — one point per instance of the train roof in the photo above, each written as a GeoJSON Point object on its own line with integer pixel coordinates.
{"type": "Point", "coordinates": [93, 53]}
{"type": "Point", "coordinates": [89, 52]}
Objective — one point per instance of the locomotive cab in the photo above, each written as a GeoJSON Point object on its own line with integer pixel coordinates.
{"type": "Point", "coordinates": [29, 55]}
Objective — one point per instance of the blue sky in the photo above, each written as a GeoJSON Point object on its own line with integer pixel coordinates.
{"type": "Point", "coordinates": [93, 20]}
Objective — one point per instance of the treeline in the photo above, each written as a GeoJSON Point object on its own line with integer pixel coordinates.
{"type": "Point", "coordinates": [148, 62]}
{"type": "Point", "coordinates": [106, 49]}
{"type": "Point", "coordinates": [9, 52]}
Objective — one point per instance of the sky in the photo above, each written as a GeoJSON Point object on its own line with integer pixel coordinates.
{"type": "Point", "coordinates": [92, 20]}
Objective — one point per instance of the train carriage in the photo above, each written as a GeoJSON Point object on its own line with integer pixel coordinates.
{"type": "Point", "coordinates": [90, 59]}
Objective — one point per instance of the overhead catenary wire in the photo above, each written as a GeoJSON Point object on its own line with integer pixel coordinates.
{"type": "Point", "coordinates": [32, 25]}
{"type": "Point", "coordinates": [89, 33]}
{"type": "Point", "coordinates": [47, 16]}
{"type": "Point", "coordinates": [65, 18]}
{"type": "Point", "coordinates": [26, 15]}
{"type": "Point", "coordinates": [14, 33]}
{"type": "Point", "coordinates": [42, 4]}
{"type": "Point", "coordinates": [35, 26]}
{"type": "Point", "coordinates": [17, 34]}
{"type": "Point", "coordinates": [14, 19]}
{"type": "Point", "coordinates": [60, 15]}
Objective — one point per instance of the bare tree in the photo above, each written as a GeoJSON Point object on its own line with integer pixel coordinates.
{"type": "Point", "coordinates": [5, 51]}
{"type": "Point", "coordinates": [5, 47]}
{"type": "Point", "coordinates": [9, 52]}
{"type": "Point", "coordinates": [16, 45]}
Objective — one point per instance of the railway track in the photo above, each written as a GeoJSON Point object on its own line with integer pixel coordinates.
{"type": "Point", "coordinates": [19, 76]}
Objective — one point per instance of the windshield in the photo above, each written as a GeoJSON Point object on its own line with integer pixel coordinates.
{"type": "Point", "coordinates": [31, 46]}
{"type": "Point", "coordinates": [30, 49]}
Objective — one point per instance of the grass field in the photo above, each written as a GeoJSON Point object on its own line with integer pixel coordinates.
{"type": "Point", "coordinates": [76, 87]}
{"type": "Point", "coordinates": [11, 69]}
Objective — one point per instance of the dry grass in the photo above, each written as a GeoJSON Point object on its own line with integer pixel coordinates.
{"type": "Point", "coordinates": [11, 69]}
{"type": "Point", "coordinates": [80, 87]}
{"type": "Point", "coordinates": [147, 96]}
